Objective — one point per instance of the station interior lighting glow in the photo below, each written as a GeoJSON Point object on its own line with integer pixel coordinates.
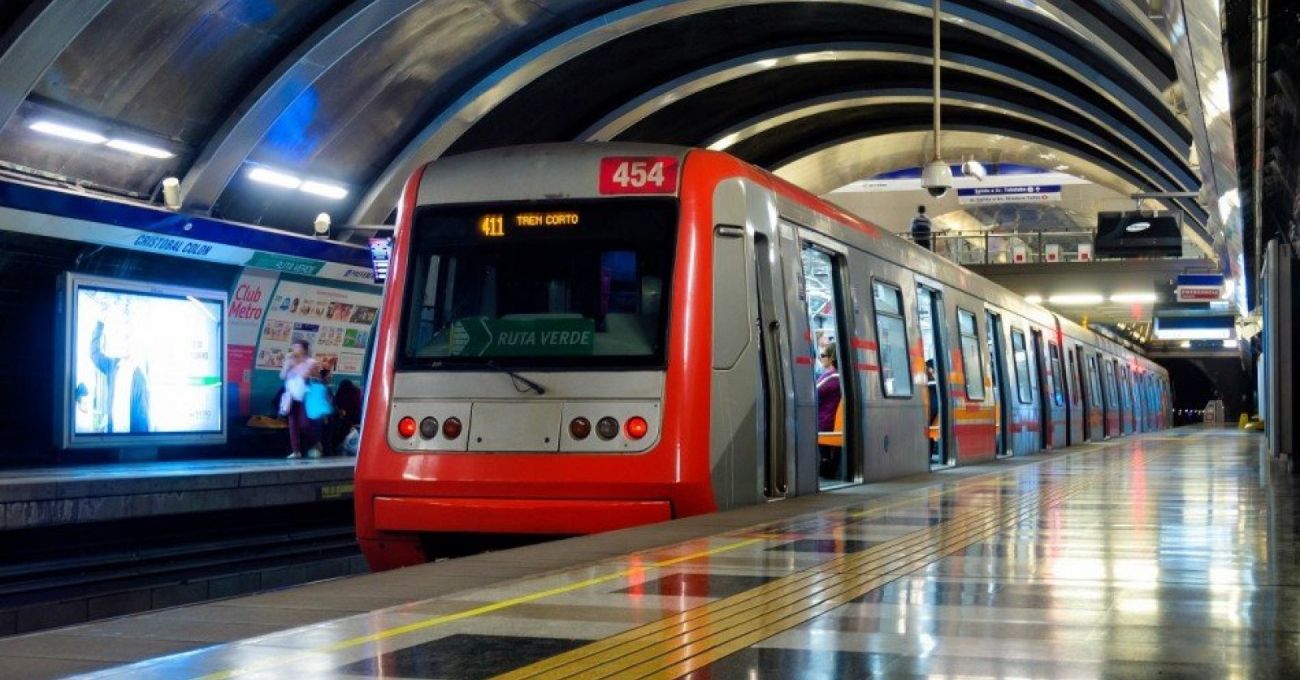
{"type": "Point", "coordinates": [1186, 344]}
{"type": "Point", "coordinates": [85, 136]}
{"type": "Point", "coordinates": [278, 179]}
{"type": "Point", "coordinates": [1076, 299]}
{"type": "Point", "coordinates": [68, 132]}
{"type": "Point", "coordinates": [1133, 297]}
{"type": "Point", "coordinates": [1034, 299]}
{"type": "Point", "coordinates": [323, 189]}
{"type": "Point", "coordinates": [1193, 333]}
{"type": "Point", "coordinates": [139, 149]}
{"type": "Point", "coordinates": [285, 180]}
{"type": "Point", "coordinates": [1230, 343]}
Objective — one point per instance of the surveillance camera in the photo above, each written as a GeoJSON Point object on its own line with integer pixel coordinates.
{"type": "Point", "coordinates": [171, 188]}
{"type": "Point", "coordinates": [322, 225]}
{"type": "Point", "coordinates": [974, 168]}
{"type": "Point", "coordinates": [936, 178]}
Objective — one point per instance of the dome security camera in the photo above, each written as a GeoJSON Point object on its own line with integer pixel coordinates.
{"type": "Point", "coordinates": [936, 178]}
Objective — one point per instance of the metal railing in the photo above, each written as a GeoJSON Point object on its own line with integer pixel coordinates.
{"type": "Point", "coordinates": [985, 247]}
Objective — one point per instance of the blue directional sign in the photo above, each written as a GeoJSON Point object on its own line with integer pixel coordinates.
{"type": "Point", "coordinates": [1031, 193]}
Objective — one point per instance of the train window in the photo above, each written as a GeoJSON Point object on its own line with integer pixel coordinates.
{"type": "Point", "coordinates": [1057, 375]}
{"type": "Point", "coordinates": [891, 336]}
{"type": "Point", "coordinates": [1020, 357]}
{"type": "Point", "coordinates": [1094, 384]}
{"type": "Point", "coordinates": [971, 365]}
{"type": "Point", "coordinates": [582, 284]}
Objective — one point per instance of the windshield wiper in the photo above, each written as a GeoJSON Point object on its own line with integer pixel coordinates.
{"type": "Point", "coordinates": [517, 379]}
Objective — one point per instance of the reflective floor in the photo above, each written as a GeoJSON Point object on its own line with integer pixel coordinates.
{"type": "Point", "coordinates": [1161, 556]}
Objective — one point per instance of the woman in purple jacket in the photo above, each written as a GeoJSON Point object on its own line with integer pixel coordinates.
{"type": "Point", "coordinates": [828, 401]}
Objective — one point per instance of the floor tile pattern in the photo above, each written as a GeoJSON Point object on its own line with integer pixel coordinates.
{"type": "Point", "coordinates": [1169, 555]}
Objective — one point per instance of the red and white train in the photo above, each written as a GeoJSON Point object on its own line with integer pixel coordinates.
{"type": "Point", "coordinates": [583, 337]}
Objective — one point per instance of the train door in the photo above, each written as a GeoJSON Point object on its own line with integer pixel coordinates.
{"type": "Point", "coordinates": [777, 380]}
{"type": "Point", "coordinates": [1086, 394]}
{"type": "Point", "coordinates": [1131, 410]}
{"type": "Point", "coordinates": [1074, 403]}
{"type": "Point", "coordinates": [826, 297]}
{"type": "Point", "coordinates": [1059, 405]}
{"type": "Point", "coordinates": [1112, 411]}
{"type": "Point", "coordinates": [1001, 402]}
{"type": "Point", "coordinates": [929, 312]}
{"type": "Point", "coordinates": [1103, 403]}
{"type": "Point", "coordinates": [1046, 388]}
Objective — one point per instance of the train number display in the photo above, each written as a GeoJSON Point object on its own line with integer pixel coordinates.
{"type": "Point", "coordinates": [638, 175]}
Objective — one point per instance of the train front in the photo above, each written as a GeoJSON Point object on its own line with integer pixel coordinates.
{"type": "Point", "coordinates": [531, 337]}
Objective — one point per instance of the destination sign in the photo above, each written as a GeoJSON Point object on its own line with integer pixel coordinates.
{"type": "Point", "coordinates": [498, 225]}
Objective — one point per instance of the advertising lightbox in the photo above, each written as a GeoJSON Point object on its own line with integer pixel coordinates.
{"type": "Point", "coordinates": [143, 364]}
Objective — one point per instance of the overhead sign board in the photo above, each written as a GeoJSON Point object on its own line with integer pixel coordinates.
{"type": "Point", "coordinates": [1138, 235]}
{"type": "Point", "coordinates": [1198, 287]}
{"type": "Point", "coordinates": [1032, 193]}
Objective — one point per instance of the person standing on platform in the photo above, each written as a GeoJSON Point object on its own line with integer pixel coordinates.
{"type": "Point", "coordinates": [298, 368]}
{"type": "Point", "coordinates": [829, 394]}
{"type": "Point", "coordinates": [921, 228]}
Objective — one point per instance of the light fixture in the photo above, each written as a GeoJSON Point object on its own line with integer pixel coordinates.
{"type": "Point", "coordinates": [274, 178]}
{"type": "Point", "coordinates": [1034, 299]}
{"type": "Point", "coordinates": [139, 149]}
{"type": "Point", "coordinates": [1230, 343]}
{"type": "Point", "coordinates": [1186, 344]}
{"type": "Point", "coordinates": [171, 190]}
{"type": "Point", "coordinates": [1193, 333]}
{"type": "Point", "coordinates": [1076, 299]}
{"type": "Point", "coordinates": [1133, 297]}
{"type": "Point", "coordinates": [322, 189]}
{"type": "Point", "coordinates": [68, 132]}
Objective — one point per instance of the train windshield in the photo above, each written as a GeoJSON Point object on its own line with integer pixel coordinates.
{"type": "Point", "coordinates": [573, 284]}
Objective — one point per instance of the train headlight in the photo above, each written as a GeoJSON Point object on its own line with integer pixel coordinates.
{"type": "Point", "coordinates": [406, 427]}
{"type": "Point", "coordinates": [579, 428]}
{"type": "Point", "coordinates": [429, 428]}
{"type": "Point", "coordinates": [636, 427]}
{"type": "Point", "coordinates": [451, 428]}
{"type": "Point", "coordinates": [607, 428]}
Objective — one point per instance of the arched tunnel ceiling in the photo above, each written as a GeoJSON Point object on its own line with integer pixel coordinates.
{"type": "Point", "coordinates": [360, 92]}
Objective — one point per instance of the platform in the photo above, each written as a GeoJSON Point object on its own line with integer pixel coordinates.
{"type": "Point", "coordinates": [70, 494]}
{"type": "Point", "coordinates": [1164, 555]}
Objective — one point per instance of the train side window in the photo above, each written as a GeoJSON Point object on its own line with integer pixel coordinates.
{"type": "Point", "coordinates": [1020, 357]}
{"type": "Point", "coordinates": [971, 366]}
{"type": "Point", "coordinates": [1058, 374]}
{"type": "Point", "coordinates": [891, 336]}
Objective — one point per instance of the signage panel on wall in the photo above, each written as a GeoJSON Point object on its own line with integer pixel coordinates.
{"type": "Point", "coordinates": [1033, 193]}
{"type": "Point", "coordinates": [1199, 287]}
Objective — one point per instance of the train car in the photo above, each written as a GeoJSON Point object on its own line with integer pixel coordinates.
{"type": "Point", "coordinates": [583, 337]}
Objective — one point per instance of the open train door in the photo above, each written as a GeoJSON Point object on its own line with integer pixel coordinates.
{"type": "Point", "coordinates": [752, 404]}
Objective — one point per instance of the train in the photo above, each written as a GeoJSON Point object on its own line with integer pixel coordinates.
{"type": "Point", "coordinates": [582, 337]}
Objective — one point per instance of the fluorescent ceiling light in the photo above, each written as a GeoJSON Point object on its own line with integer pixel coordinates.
{"type": "Point", "coordinates": [68, 132]}
{"type": "Point", "coordinates": [322, 189]}
{"type": "Point", "coordinates": [1193, 333]}
{"type": "Point", "coordinates": [1076, 299]}
{"type": "Point", "coordinates": [1034, 299]}
{"type": "Point", "coordinates": [274, 178]}
{"type": "Point", "coordinates": [1133, 297]}
{"type": "Point", "coordinates": [139, 149]}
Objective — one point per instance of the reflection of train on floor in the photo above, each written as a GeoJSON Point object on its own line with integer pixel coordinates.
{"type": "Point", "coordinates": [579, 338]}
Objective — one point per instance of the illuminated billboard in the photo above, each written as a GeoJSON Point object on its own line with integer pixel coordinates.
{"type": "Point", "coordinates": [143, 364]}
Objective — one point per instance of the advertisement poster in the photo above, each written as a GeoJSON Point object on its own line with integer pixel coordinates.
{"type": "Point", "coordinates": [248, 304]}
{"type": "Point", "coordinates": [146, 363]}
{"type": "Point", "coordinates": [338, 323]}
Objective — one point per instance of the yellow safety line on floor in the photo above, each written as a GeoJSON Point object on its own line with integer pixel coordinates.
{"type": "Point", "coordinates": [785, 602]}
{"type": "Point", "coordinates": [913, 496]}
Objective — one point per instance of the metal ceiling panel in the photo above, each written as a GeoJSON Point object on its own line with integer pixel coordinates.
{"type": "Point", "coordinates": [33, 44]}
{"type": "Point", "coordinates": [175, 68]}
{"type": "Point", "coordinates": [443, 131]}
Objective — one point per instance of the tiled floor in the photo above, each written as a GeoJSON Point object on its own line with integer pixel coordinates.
{"type": "Point", "coordinates": [1160, 556]}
